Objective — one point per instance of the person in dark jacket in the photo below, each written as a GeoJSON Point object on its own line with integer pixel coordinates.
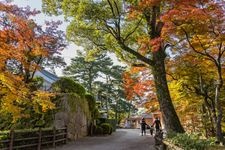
{"type": "Point", "coordinates": [157, 124]}
{"type": "Point", "coordinates": [143, 126]}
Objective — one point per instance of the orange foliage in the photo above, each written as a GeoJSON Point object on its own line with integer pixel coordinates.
{"type": "Point", "coordinates": [156, 43]}
{"type": "Point", "coordinates": [138, 82]}
{"type": "Point", "coordinates": [144, 43]}
{"type": "Point", "coordinates": [148, 3]}
{"type": "Point", "coordinates": [22, 48]}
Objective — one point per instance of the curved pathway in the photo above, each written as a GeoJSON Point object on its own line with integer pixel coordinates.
{"type": "Point", "coordinates": [122, 139]}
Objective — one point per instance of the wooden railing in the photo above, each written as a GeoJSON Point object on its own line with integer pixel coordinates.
{"type": "Point", "coordinates": [35, 139]}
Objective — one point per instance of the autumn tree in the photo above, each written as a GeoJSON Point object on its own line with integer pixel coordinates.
{"type": "Point", "coordinates": [139, 87]}
{"type": "Point", "coordinates": [131, 29]}
{"type": "Point", "coordinates": [191, 81]}
{"type": "Point", "coordinates": [201, 25]}
{"type": "Point", "coordinates": [24, 47]}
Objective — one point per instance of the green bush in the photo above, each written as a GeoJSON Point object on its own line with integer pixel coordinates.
{"type": "Point", "coordinates": [189, 141]}
{"type": "Point", "coordinates": [98, 130]}
{"type": "Point", "coordinates": [67, 85]}
{"type": "Point", "coordinates": [107, 128]}
{"type": "Point", "coordinates": [36, 83]}
{"type": "Point", "coordinates": [4, 136]}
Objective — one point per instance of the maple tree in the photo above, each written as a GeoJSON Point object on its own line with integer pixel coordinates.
{"type": "Point", "coordinates": [191, 88]}
{"type": "Point", "coordinates": [138, 84]}
{"type": "Point", "coordinates": [131, 29]}
{"type": "Point", "coordinates": [199, 26]}
{"type": "Point", "coordinates": [24, 48]}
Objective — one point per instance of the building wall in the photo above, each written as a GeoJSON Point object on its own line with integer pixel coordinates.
{"type": "Point", "coordinates": [49, 78]}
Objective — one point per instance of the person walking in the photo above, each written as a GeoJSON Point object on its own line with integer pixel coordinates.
{"type": "Point", "coordinates": [157, 124]}
{"type": "Point", "coordinates": [151, 130]}
{"type": "Point", "coordinates": [143, 126]}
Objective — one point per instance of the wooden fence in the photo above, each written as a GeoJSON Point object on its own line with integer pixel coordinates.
{"type": "Point", "coordinates": [33, 139]}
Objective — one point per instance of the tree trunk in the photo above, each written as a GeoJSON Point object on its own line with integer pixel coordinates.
{"type": "Point", "coordinates": [219, 135]}
{"type": "Point", "coordinates": [172, 122]}
{"type": "Point", "coordinates": [204, 120]}
{"type": "Point", "coordinates": [211, 120]}
{"type": "Point", "coordinates": [219, 85]}
{"type": "Point", "coordinates": [211, 114]}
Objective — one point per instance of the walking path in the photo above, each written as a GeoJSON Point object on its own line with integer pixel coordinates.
{"type": "Point", "coordinates": [122, 139]}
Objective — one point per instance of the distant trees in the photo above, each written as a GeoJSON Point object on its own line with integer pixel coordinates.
{"type": "Point", "coordinates": [102, 78]}
{"type": "Point", "coordinates": [87, 71]}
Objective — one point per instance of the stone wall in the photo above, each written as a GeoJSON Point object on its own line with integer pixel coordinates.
{"type": "Point", "coordinates": [75, 119]}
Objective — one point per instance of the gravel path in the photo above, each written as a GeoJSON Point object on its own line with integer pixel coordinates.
{"type": "Point", "coordinates": [122, 139]}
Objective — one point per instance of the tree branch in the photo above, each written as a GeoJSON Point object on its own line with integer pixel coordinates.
{"type": "Point", "coordinates": [138, 55]}
{"type": "Point", "coordinates": [129, 34]}
{"type": "Point", "coordinates": [193, 48]}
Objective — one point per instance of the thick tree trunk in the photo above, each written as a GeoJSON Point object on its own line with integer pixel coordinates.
{"type": "Point", "coordinates": [172, 122]}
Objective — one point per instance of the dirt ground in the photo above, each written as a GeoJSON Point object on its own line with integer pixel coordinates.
{"type": "Point", "coordinates": [122, 139]}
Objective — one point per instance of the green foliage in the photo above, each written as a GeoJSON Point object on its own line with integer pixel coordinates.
{"type": "Point", "coordinates": [4, 135]}
{"type": "Point", "coordinates": [92, 106]}
{"type": "Point", "coordinates": [96, 23]}
{"type": "Point", "coordinates": [107, 128]}
{"type": "Point", "coordinates": [91, 101]}
{"type": "Point", "coordinates": [75, 101]}
{"type": "Point", "coordinates": [32, 121]}
{"type": "Point", "coordinates": [5, 121]}
{"type": "Point", "coordinates": [73, 92]}
{"type": "Point", "coordinates": [189, 141]}
{"type": "Point", "coordinates": [36, 83]}
{"type": "Point", "coordinates": [87, 71]}
{"type": "Point", "coordinates": [67, 85]}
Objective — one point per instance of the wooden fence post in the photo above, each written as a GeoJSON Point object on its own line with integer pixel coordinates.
{"type": "Point", "coordinates": [11, 139]}
{"type": "Point", "coordinates": [54, 136]}
{"type": "Point", "coordinates": [66, 130]}
{"type": "Point", "coordinates": [39, 139]}
{"type": "Point", "coordinates": [164, 146]}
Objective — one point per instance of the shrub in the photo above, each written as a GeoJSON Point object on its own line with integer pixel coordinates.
{"type": "Point", "coordinates": [189, 141]}
{"type": "Point", "coordinates": [4, 136]}
{"type": "Point", "coordinates": [107, 128]}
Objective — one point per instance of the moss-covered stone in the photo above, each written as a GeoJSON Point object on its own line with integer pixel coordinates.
{"type": "Point", "coordinates": [67, 85]}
